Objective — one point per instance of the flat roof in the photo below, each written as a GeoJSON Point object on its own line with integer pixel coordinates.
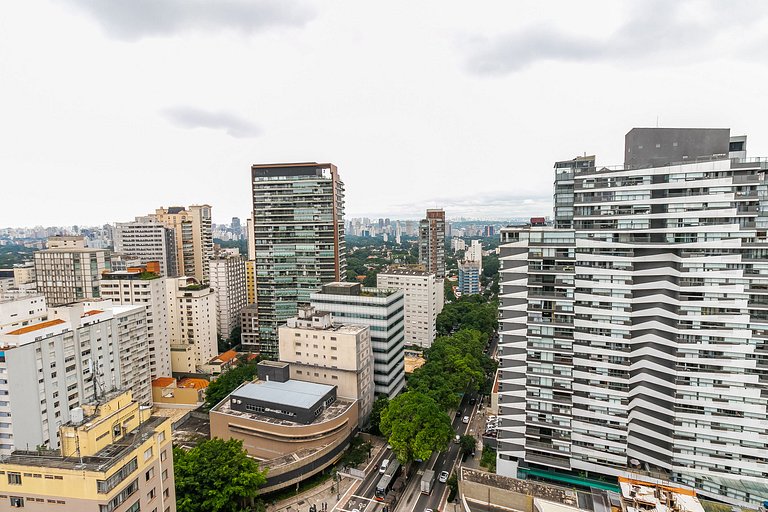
{"type": "Point", "coordinates": [36, 327]}
{"type": "Point", "coordinates": [296, 393]}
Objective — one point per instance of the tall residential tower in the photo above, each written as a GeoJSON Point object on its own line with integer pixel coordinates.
{"type": "Point", "coordinates": [298, 240]}
{"type": "Point", "coordinates": [432, 242]}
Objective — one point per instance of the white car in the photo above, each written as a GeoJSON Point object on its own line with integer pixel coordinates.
{"type": "Point", "coordinates": [465, 419]}
{"type": "Point", "coordinates": [384, 465]}
{"type": "Point", "coordinates": [443, 477]}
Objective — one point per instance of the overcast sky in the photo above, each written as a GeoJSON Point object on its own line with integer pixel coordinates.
{"type": "Point", "coordinates": [109, 109]}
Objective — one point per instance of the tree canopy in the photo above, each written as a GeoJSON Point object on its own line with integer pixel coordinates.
{"type": "Point", "coordinates": [227, 382]}
{"type": "Point", "coordinates": [216, 476]}
{"type": "Point", "coordinates": [415, 426]}
{"type": "Point", "coordinates": [468, 312]}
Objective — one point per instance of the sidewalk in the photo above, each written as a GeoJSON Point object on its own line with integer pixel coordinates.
{"type": "Point", "coordinates": [322, 493]}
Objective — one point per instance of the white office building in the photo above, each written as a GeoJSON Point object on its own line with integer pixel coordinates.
{"type": "Point", "coordinates": [147, 239]}
{"type": "Point", "coordinates": [192, 322]}
{"type": "Point", "coordinates": [383, 311]}
{"type": "Point", "coordinates": [228, 281]}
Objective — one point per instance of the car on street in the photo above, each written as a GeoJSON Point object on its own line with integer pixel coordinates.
{"type": "Point", "coordinates": [427, 510]}
{"type": "Point", "coordinates": [443, 477]}
{"type": "Point", "coordinates": [458, 413]}
{"type": "Point", "coordinates": [472, 401]}
{"type": "Point", "coordinates": [465, 419]}
{"type": "Point", "coordinates": [383, 467]}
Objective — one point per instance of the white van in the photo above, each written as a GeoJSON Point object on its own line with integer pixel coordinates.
{"type": "Point", "coordinates": [384, 465]}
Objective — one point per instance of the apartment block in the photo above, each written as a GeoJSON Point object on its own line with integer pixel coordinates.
{"type": "Point", "coordinates": [51, 367]}
{"type": "Point", "coordinates": [147, 239]}
{"type": "Point", "coordinates": [228, 281]}
{"type": "Point", "coordinates": [423, 301]}
{"type": "Point", "coordinates": [469, 277]}
{"type": "Point", "coordinates": [250, 281]}
{"type": "Point", "coordinates": [324, 352]}
{"type": "Point", "coordinates": [22, 311]}
{"type": "Point", "coordinates": [298, 240]}
{"type": "Point", "coordinates": [139, 287]}
{"type": "Point", "coordinates": [383, 311]}
{"type": "Point", "coordinates": [192, 322]}
{"type": "Point", "coordinates": [113, 456]}
{"type": "Point", "coordinates": [432, 242]}
{"type": "Point", "coordinates": [67, 271]}
{"type": "Point", "coordinates": [193, 236]}
{"type": "Point", "coordinates": [634, 334]}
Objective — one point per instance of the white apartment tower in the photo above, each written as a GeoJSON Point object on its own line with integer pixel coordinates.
{"type": "Point", "coordinates": [147, 239]}
{"type": "Point", "coordinates": [192, 322]}
{"type": "Point", "coordinates": [67, 271]}
{"type": "Point", "coordinates": [634, 335]}
{"type": "Point", "coordinates": [423, 293]}
{"type": "Point", "coordinates": [51, 367]}
{"type": "Point", "coordinates": [383, 311]}
{"type": "Point", "coordinates": [147, 289]}
{"type": "Point", "coordinates": [228, 281]}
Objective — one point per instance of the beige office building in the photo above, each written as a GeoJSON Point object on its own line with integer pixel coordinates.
{"type": "Point", "coordinates": [192, 322]}
{"type": "Point", "coordinates": [67, 271]}
{"type": "Point", "coordinates": [193, 236]}
{"type": "Point", "coordinates": [423, 301]}
{"type": "Point", "coordinates": [325, 352]}
{"type": "Point", "coordinates": [228, 281]}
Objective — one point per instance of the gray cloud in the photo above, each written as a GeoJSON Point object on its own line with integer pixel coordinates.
{"type": "Point", "coordinates": [135, 19]}
{"type": "Point", "coordinates": [233, 125]}
{"type": "Point", "coordinates": [656, 29]}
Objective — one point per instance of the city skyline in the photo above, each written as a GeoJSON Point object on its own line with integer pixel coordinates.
{"type": "Point", "coordinates": [143, 99]}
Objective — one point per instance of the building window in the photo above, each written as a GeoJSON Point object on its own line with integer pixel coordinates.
{"type": "Point", "coordinates": [17, 502]}
{"type": "Point", "coordinates": [163, 455]}
{"type": "Point", "coordinates": [151, 494]}
{"type": "Point", "coordinates": [149, 474]}
{"type": "Point", "coordinates": [148, 453]}
{"type": "Point", "coordinates": [14, 479]}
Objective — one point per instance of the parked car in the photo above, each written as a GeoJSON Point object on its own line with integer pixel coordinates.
{"type": "Point", "coordinates": [443, 477]}
{"type": "Point", "coordinates": [384, 465]}
{"type": "Point", "coordinates": [465, 419]}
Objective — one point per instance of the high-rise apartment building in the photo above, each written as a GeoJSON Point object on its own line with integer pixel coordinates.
{"type": "Point", "coordinates": [250, 281]}
{"type": "Point", "coordinates": [634, 337]}
{"type": "Point", "coordinates": [192, 322]}
{"type": "Point", "coordinates": [67, 271]}
{"type": "Point", "coordinates": [383, 311]}
{"type": "Point", "coordinates": [423, 301]}
{"type": "Point", "coordinates": [114, 456]}
{"type": "Point", "coordinates": [228, 281]}
{"type": "Point", "coordinates": [53, 366]}
{"type": "Point", "coordinates": [432, 242]}
{"type": "Point", "coordinates": [469, 277]}
{"type": "Point", "coordinates": [137, 286]}
{"type": "Point", "coordinates": [19, 312]}
{"type": "Point", "coordinates": [298, 240]}
{"type": "Point", "coordinates": [322, 351]}
{"type": "Point", "coordinates": [193, 236]}
{"type": "Point", "coordinates": [147, 239]}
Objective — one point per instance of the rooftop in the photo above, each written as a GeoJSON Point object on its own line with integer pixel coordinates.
{"type": "Point", "coordinates": [163, 382]}
{"type": "Point", "coordinates": [646, 497]}
{"type": "Point", "coordinates": [332, 411]}
{"type": "Point", "coordinates": [100, 462]}
{"type": "Point", "coordinates": [296, 393]}
{"type": "Point", "coordinates": [405, 272]}
{"type": "Point", "coordinates": [193, 383]}
{"type": "Point", "coordinates": [36, 327]}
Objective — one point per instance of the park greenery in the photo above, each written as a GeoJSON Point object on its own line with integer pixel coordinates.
{"type": "Point", "coordinates": [488, 459]}
{"type": "Point", "coordinates": [228, 381]}
{"type": "Point", "coordinates": [468, 312]}
{"type": "Point", "coordinates": [216, 476]}
{"type": "Point", "coordinates": [415, 426]}
{"type": "Point", "coordinates": [378, 406]}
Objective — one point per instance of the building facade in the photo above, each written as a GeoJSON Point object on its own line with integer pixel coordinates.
{"type": "Point", "coordinates": [250, 281]}
{"type": "Point", "coordinates": [193, 235]}
{"type": "Point", "coordinates": [136, 286]}
{"type": "Point", "coordinates": [22, 311]}
{"type": "Point", "coordinates": [147, 239]}
{"type": "Point", "coordinates": [633, 337]}
{"type": "Point", "coordinates": [98, 467]}
{"type": "Point", "coordinates": [383, 311]}
{"type": "Point", "coordinates": [423, 294]}
{"type": "Point", "coordinates": [322, 351]}
{"type": "Point", "coordinates": [192, 323]}
{"type": "Point", "coordinates": [469, 277]}
{"type": "Point", "coordinates": [298, 240]}
{"type": "Point", "coordinates": [53, 366]}
{"type": "Point", "coordinates": [228, 281]}
{"type": "Point", "coordinates": [67, 271]}
{"type": "Point", "coordinates": [432, 242]}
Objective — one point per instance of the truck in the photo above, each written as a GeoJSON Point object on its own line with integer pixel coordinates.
{"type": "Point", "coordinates": [427, 481]}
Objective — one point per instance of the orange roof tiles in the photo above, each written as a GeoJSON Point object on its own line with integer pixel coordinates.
{"type": "Point", "coordinates": [92, 312]}
{"type": "Point", "coordinates": [37, 327]}
{"type": "Point", "coordinates": [163, 382]}
{"type": "Point", "coordinates": [227, 356]}
{"type": "Point", "coordinates": [190, 382]}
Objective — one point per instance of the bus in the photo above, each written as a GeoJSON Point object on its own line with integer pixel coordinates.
{"type": "Point", "coordinates": [386, 481]}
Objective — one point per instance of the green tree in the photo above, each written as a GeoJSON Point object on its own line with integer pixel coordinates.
{"type": "Point", "coordinates": [227, 382]}
{"type": "Point", "coordinates": [378, 407]}
{"type": "Point", "coordinates": [448, 291]}
{"type": "Point", "coordinates": [415, 426]}
{"type": "Point", "coordinates": [467, 444]}
{"type": "Point", "coordinates": [216, 476]}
